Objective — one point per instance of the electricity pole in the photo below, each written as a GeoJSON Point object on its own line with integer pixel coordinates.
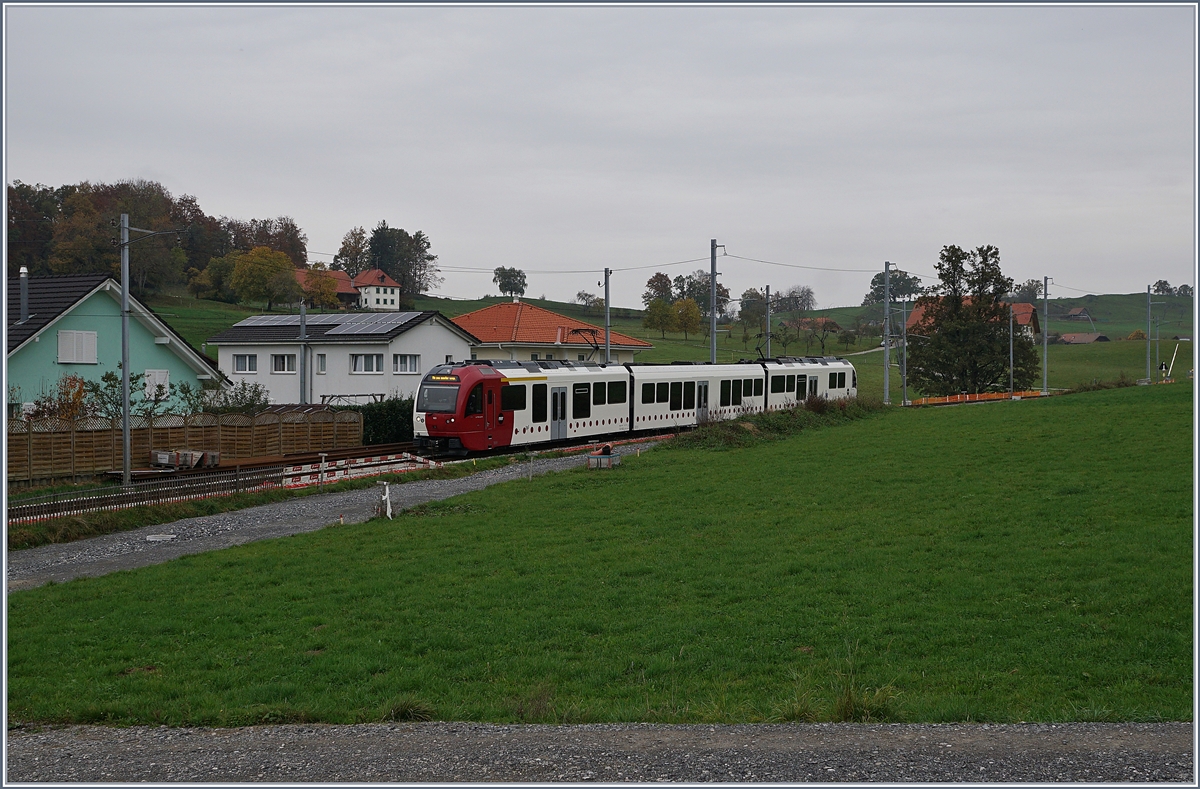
{"type": "Point", "coordinates": [712, 305]}
{"type": "Point", "coordinates": [126, 471]}
{"type": "Point", "coordinates": [607, 321]}
{"type": "Point", "coordinates": [1148, 378]}
{"type": "Point", "coordinates": [887, 349]}
{"type": "Point", "coordinates": [768, 321]}
{"type": "Point", "coordinates": [1045, 335]}
{"type": "Point", "coordinates": [303, 353]}
{"type": "Point", "coordinates": [1010, 351]}
{"type": "Point", "coordinates": [904, 350]}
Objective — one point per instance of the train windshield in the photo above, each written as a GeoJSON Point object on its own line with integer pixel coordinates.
{"type": "Point", "coordinates": [439, 398]}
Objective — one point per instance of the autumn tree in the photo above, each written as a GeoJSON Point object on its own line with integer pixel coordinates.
{"type": "Point", "coordinates": [281, 234]}
{"type": "Point", "coordinates": [961, 342]}
{"type": "Point", "coordinates": [320, 289]}
{"type": "Point", "coordinates": [353, 257]}
{"type": "Point", "coordinates": [658, 288]}
{"type": "Point", "coordinates": [659, 315]}
{"type": "Point", "coordinates": [33, 212]}
{"type": "Point", "coordinates": [216, 280]}
{"type": "Point", "coordinates": [798, 298]}
{"type": "Point", "coordinates": [695, 286]}
{"type": "Point", "coordinates": [265, 275]}
{"type": "Point", "coordinates": [511, 281]}
{"type": "Point", "coordinates": [687, 316]}
{"type": "Point", "coordinates": [82, 242]}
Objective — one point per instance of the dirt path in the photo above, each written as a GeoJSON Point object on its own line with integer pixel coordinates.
{"type": "Point", "coordinates": [1079, 752]}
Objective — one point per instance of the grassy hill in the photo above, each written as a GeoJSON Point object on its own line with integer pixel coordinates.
{"type": "Point", "coordinates": [1006, 565]}
{"type": "Point", "coordinates": [1117, 315]}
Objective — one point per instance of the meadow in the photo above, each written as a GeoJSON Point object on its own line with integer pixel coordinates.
{"type": "Point", "coordinates": [1023, 561]}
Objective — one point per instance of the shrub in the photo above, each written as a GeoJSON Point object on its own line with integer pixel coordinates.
{"type": "Point", "coordinates": [388, 422]}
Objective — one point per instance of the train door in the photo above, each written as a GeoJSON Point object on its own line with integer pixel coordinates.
{"type": "Point", "coordinates": [558, 413]}
{"type": "Point", "coordinates": [489, 413]}
{"type": "Point", "coordinates": [701, 402]}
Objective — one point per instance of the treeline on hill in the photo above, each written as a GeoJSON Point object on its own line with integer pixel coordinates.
{"type": "Point", "coordinates": [71, 229]}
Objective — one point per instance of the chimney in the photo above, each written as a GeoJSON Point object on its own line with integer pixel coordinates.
{"type": "Point", "coordinates": [24, 294]}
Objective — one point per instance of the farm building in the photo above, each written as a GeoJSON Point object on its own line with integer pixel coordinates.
{"type": "Point", "coordinates": [349, 356]}
{"type": "Point", "coordinates": [1025, 317]}
{"type": "Point", "coordinates": [370, 290]}
{"type": "Point", "coordinates": [519, 331]}
{"type": "Point", "coordinates": [1078, 314]}
{"type": "Point", "coordinates": [71, 325]}
{"type": "Point", "coordinates": [1082, 338]}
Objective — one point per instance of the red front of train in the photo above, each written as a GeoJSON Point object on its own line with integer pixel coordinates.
{"type": "Point", "coordinates": [458, 410]}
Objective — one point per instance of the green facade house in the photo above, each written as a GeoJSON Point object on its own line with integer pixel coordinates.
{"type": "Point", "coordinates": [71, 324]}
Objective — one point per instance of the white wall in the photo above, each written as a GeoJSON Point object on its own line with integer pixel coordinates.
{"type": "Point", "coordinates": [432, 342]}
{"type": "Point", "coordinates": [522, 353]}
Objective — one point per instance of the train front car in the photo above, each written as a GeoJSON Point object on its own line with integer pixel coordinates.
{"type": "Point", "coordinates": [458, 410]}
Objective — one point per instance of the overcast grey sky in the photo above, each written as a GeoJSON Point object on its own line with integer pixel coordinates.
{"type": "Point", "coordinates": [572, 138]}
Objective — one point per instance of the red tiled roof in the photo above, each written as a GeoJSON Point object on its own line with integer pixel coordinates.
{"type": "Point", "coordinates": [518, 322]}
{"type": "Point", "coordinates": [340, 277]}
{"type": "Point", "coordinates": [375, 277]}
{"type": "Point", "coordinates": [1024, 313]}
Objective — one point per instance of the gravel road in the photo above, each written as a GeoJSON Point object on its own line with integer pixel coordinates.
{"type": "Point", "coordinates": [1030, 753]}
{"type": "Point", "coordinates": [137, 548]}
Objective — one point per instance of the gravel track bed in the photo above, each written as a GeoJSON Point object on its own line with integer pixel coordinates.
{"type": "Point", "coordinates": [128, 550]}
{"type": "Point", "coordinates": [1033, 753]}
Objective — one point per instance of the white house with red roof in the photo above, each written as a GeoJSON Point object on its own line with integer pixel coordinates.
{"type": "Point", "coordinates": [370, 290]}
{"type": "Point", "coordinates": [1025, 317]}
{"type": "Point", "coordinates": [519, 331]}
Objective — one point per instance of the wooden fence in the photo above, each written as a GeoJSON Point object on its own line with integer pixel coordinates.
{"type": "Point", "coordinates": [50, 449]}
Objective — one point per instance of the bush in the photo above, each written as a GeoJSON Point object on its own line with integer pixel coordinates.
{"type": "Point", "coordinates": [1136, 334]}
{"type": "Point", "coordinates": [388, 422]}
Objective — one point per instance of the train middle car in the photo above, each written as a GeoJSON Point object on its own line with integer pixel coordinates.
{"type": "Point", "coordinates": [478, 406]}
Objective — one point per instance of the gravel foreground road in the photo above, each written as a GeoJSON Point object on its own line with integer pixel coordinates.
{"type": "Point", "coordinates": [848, 753]}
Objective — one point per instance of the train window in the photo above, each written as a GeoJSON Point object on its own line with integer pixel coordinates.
{"type": "Point", "coordinates": [647, 393]}
{"type": "Point", "coordinates": [777, 383]}
{"type": "Point", "coordinates": [841, 380]}
{"type": "Point", "coordinates": [725, 393]}
{"type": "Point", "coordinates": [581, 401]}
{"type": "Point", "coordinates": [616, 392]}
{"type": "Point", "coordinates": [758, 387]}
{"type": "Point", "coordinates": [677, 395]}
{"type": "Point", "coordinates": [689, 395]}
{"type": "Point", "coordinates": [801, 385]}
{"type": "Point", "coordinates": [539, 402]}
{"type": "Point", "coordinates": [747, 388]}
{"type": "Point", "coordinates": [598, 391]}
{"type": "Point", "coordinates": [512, 398]}
{"type": "Point", "coordinates": [438, 399]}
{"type": "Point", "coordinates": [662, 393]}
{"type": "Point", "coordinates": [791, 383]}
{"type": "Point", "coordinates": [833, 381]}
{"type": "Point", "coordinates": [737, 392]}
{"type": "Point", "coordinates": [490, 400]}
{"type": "Point", "coordinates": [475, 401]}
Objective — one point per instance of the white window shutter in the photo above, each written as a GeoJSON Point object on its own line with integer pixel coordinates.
{"type": "Point", "coordinates": [89, 348]}
{"type": "Point", "coordinates": [66, 347]}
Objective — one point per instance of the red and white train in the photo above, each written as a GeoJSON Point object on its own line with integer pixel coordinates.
{"type": "Point", "coordinates": [477, 406]}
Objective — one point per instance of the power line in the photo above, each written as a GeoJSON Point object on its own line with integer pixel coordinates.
{"type": "Point", "coordinates": [807, 268]}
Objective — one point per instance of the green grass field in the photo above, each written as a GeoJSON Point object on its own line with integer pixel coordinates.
{"type": "Point", "coordinates": [1027, 561]}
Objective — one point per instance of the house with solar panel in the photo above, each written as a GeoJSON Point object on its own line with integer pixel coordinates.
{"type": "Point", "coordinates": [348, 357]}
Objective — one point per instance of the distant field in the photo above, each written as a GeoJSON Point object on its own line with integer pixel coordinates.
{"type": "Point", "coordinates": [198, 320]}
{"type": "Point", "coordinates": [1026, 561]}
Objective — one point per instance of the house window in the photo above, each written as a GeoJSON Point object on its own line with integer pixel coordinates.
{"type": "Point", "coordinates": [283, 362]}
{"type": "Point", "coordinates": [153, 380]}
{"type": "Point", "coordinates": [245, 362]}
{"type": "Point", "coordinates": [406, 363]}
{"type": "Point", "coordinates": [549, 356]}
{"type": "Point", "coordinates": [582, 357]}
{"type": "Point", "coordinates": [366, 362]}
{"type": "Point", "coordinates": [533, 357]}
{"type": "Point", "coordinates": [77, 347]}
{"type": "Point", "coordinates": [320, 364]}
